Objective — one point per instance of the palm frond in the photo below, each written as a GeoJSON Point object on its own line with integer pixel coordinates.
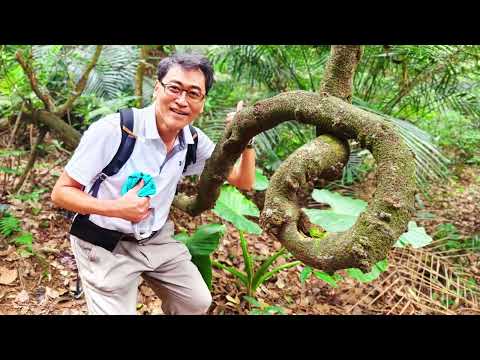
{"type": "Point", "coordinates": [431, 165]}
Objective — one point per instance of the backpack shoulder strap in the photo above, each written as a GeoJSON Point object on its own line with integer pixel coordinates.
{"type": "Point", "coordinates": [191, 157]}
{"type": "Point", "coordinates": [127, 143]}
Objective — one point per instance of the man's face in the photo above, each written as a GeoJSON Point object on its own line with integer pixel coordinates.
{"type": "Point", "coordinates": [177, 111]}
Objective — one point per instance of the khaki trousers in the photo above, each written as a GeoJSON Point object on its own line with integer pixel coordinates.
{"type": "Point", "coordinates": [110, 279]}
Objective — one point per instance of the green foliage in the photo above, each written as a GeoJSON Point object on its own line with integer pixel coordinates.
{"type": "Point", "coordinates": [9, 224]}
{"type": "Point", "coordinates": [24, 242]}
{"type": "Point", "coordinates": [33, 196]}
{"type": "Point", "coordinates": [232, 206]}
{"type": "Point", "coordinates": [252, 278]}
{"type": "Point", "coordinates": [452, 239]}
{"type": "Point", "coordinates": [261, 181]}
{"type": "Point", "coordinates": [377, 269]}
{"type": "Point", "coordinates": [343, 214]}
{"type": "Point", "coordinates": [329, 279]}
{"type": "Point", "coordinates": [92, 108]}
{"type": "Point", "coordinates": [354, 273]}
{"type": "Point", "coordinates": [9, 170]}
{"type": "Point", "coordinates": [453, 130]}
{"type": "Point", "coordinates": [5, 153]}
{"type": "Point", "coordinates": [416, 237]}
{"type": "Point", "coordinates": [201, 244]}
{"type": "Point", "coordinates": [446, 231]}
{"type": "Point", "coordinates": [261, 308]}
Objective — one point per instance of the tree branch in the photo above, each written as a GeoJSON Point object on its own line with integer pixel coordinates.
{"type": "Point", "coordinates": [42, 94]}
{"type": "Point", "coordinates": [32, 158]}
{"type": "Point", "coordinates": [65, 132]}
{"type": "Point", "coordinates": [339, 71]}
{"type": "Point", "coordinates": [82, 82]}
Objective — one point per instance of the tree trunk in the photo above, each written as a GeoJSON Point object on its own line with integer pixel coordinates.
{"type": "Point", "coordinates": [140, 74]}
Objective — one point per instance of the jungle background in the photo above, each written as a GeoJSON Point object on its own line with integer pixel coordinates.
{"type": "Point", "coordinates": [50, 94]}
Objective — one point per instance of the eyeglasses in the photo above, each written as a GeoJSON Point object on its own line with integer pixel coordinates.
{"type": "Point", "coordinates": [176, 91]}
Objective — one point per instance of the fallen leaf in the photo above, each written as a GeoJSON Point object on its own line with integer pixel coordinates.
{"type": "Point", "coordinates": [22, 297]}
{"type": "Point", "coordinates": [232, 300]}
{"type": "Point", "coordinates": [280, 283]}
{"type": "Point", "coordinates": [51, 293]}
{"type": "Point", "coordinates": [12, 256]}
{"type": "Point", "coordinates": [7, 252]}
{"type": "Point", "coordinates": [7, 276]}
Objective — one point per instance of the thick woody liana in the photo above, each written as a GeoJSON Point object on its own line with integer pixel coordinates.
{"type": "Point", "coordinates": [392, 205]}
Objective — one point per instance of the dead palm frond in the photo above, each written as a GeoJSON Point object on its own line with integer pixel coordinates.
{"type": "Point", "coordinates": [424, 281]}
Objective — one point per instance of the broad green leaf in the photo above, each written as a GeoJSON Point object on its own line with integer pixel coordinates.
{"type": "Point", "coordinates": [261, 181]}
{"type": "Point", "coordinates": [339, 204]}
{"type": "Point", "coordinates": [329, 279]}
{"type": "Point", "coordinates": [377, 269]}
{"type": "Point", "coordinates": [343, 214]}
{"type": "Point", "coordinates": [330, 220]}
{"type": "Point", "coordinates": [416, 236]}
{"type": "Point", "coordinates": [205, 240]}
{"type": "Point", "coordinates": [204, 265]}
{"type": "Point", "coordinates": [232, 205]}
{"type": "Point", "coordinates": [305, 274]}
{"type": "Point", "coordinates": [182, 236]}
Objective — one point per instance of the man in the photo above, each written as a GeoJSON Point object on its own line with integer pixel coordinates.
{"type": "Point", "coordinates": [110, 278]}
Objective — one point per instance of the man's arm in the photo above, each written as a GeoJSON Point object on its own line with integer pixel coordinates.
{"type": "Point", "coordinates": [67, 193]}
{"type": "Point", "coordinates": [242, 175]}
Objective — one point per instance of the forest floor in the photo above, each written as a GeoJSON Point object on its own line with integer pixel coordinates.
{"type": "Point", "coordinates": [417, 281]}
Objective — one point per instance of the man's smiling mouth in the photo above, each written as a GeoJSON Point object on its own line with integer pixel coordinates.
{"type": "Point", "coordinates": [179, 112]}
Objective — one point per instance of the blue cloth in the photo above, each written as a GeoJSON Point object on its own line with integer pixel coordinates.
{"type": "Point", "coordinates": [148, 188]}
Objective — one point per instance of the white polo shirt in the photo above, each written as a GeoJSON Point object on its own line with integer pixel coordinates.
{"type": "Point", "coordinates": [99, 144]}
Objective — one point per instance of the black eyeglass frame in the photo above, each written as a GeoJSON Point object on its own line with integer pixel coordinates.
{"type": "Point", "coordinates": [203, 96]}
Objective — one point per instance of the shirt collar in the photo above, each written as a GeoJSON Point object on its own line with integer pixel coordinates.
{"type": "Point", "coordinates": [151, 132]}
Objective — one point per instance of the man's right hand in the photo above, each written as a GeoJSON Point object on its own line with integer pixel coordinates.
{"type": "Point", "coordinates": [132, 207]}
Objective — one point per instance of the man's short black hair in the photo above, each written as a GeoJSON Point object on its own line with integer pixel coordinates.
{"type": "Point", "coordinates": [188, 62]}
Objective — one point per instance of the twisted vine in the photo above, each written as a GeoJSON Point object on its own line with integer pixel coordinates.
{"type": "Point", "coordinates": [392, 205]}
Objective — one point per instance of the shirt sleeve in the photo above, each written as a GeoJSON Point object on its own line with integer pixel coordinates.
{"type": "Point", "coordinates": [96, 149]}
{"type": "Point", "coordinates": [205, 149]}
